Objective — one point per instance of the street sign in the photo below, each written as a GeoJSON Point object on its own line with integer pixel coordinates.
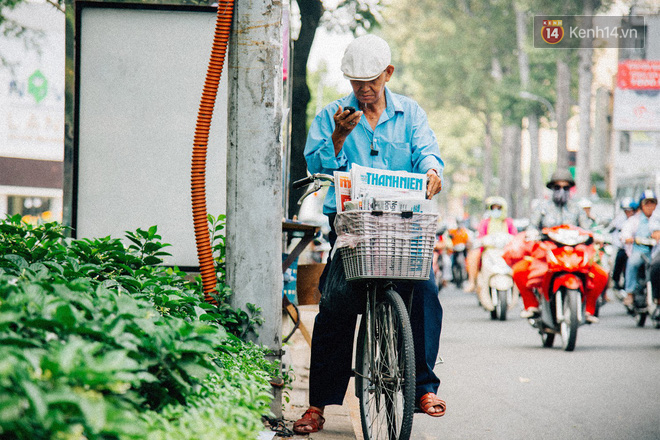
{"type": "Point", "coordinates": [639, 75]}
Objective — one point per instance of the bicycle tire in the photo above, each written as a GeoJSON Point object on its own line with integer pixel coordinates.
{"type": "Point", "coordinates": [386, 392]}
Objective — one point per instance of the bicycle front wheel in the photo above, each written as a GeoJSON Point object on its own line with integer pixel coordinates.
{"type": "Point", "coordinates": [385, 370]}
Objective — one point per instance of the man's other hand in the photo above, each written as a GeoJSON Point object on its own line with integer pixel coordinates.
{"type": "Point", "coordinates": [433, 183]}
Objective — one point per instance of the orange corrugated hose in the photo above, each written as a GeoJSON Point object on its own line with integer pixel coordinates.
{"type": "Point", "coordinates": [198, 172]}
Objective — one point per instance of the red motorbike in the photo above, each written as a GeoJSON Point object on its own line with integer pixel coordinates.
{"type": "Point", "coordinates": [569, 255]}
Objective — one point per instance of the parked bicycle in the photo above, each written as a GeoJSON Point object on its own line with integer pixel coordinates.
{"type": "Point", "coordinates": [386, 246]}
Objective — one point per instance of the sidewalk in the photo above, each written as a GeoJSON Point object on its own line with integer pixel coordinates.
{"type": "Point", "coordinates": [341, 422]}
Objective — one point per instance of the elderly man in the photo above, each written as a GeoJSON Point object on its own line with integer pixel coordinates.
{"type": "Point", "coordinates": [386, 131]}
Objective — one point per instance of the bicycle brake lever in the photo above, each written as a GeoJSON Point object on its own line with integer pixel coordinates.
{"type": "Point", "coordinates": [316, 187]}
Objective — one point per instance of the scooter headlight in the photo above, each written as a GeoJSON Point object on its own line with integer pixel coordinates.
{"type": "Point", "coordinates": [568, 237]}
{"type": "Point", "coordinates": [501, 282]}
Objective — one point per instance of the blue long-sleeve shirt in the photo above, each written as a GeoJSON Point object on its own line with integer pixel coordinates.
{"type": "Point", "coordinates": [402, 137]}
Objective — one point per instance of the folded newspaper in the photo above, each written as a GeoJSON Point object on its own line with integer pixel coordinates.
{"type": "Point", "coordinates": [364, 188]}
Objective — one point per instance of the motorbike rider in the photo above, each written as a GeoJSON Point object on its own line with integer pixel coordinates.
{"type": "Point", "coordinates": [559, 210]}
{"type": "Point", "coordinates": [641, 225]}
{"type": "Point", "coordinates": [628, 208]}
{"type": "Point", "coordinates": [460, 237]}
{"type": "Point", "coordinates": [495, 220]}
{"type": "Point", "coordinates": [441, 260]}
{"type": "Point", "coordinates": [655, 278]}
{"type": "Point", "coordinates": [586, 205]}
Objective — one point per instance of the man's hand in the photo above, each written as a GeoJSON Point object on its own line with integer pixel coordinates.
{"type": "Point", "coordinates": [433, 183]}
{"type": "Point", "coordinates": [655, 235]}
{"type": "Point", "coordinates": [345, 122]}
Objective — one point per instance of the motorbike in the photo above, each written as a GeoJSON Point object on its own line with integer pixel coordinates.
{"type": "Point", "coordinates": [495, 288]}
{"type": "Point", "coordinates": [458, 271]}
{"type": "Point", "coordinates": [442, 263]}
{"type": "Point", "coordinates": [569, 257]}
{"type": "Point", "coordinates": [643, 305]}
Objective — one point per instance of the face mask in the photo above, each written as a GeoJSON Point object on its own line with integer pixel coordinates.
{"type": "Point", "coordinates": [560, 196]}
{"type": "Point", "coordinates": [495, 213]}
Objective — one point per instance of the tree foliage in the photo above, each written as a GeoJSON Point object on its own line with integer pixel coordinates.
{"type": "Point", "coordinates": [463, 54]}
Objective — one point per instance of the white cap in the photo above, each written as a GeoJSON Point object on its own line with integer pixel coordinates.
{"type": "Point", "coordinates": [584, 203]}
{"type": "Point", "coordinates": [366, 58]}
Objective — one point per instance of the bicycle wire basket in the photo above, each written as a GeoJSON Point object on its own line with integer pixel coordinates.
{"type": "Point", "coordinates": [392, 245]}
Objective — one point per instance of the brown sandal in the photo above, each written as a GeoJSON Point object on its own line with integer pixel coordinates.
{"type": "Point", "coordinates": [308, 421]}
{"type": "Point", "coordinates": [430, 400]}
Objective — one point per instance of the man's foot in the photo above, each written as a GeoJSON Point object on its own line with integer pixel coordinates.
{"type": "Point", "coordinates": [469, 287]}
{"type": "Point", "coordinates": [432, 405]}
{"type": "Point", "coordinates": [591, 319]}
{"type": "Point", "coordinates": [628, 300]}
{"type": "Point", "coordinates": [530, 312]}
{"type": "Point", "coordinates": [311, 421]}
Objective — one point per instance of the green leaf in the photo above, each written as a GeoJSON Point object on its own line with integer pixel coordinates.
{"type": "Point", "coordinates": [36, 399]}
{"type": "Point", "coordinates": [65, 315]}
{"type": "Point", "coordinates": [18, 261]}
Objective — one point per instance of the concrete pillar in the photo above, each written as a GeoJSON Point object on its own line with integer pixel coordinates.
{"type": "Point", "coordinates": [254, 166]}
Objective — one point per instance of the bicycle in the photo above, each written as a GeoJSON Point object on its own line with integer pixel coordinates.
{"type": "Point", "coordinates": [390, 246]}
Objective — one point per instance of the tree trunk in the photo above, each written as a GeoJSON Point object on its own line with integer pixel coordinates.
{"type": "Point", "coordinates": [562, 109]}
{"type": "Point", "coordinates": [535, 185]}
{"type": "Point", "coordinates": [310, 14]}
{"type": "Point", "coordinates": [507, 164]}
{"type": "Point", "coordinates": [516, 177]}
{"type": "Point", "coordinates": [585, 78]}
{"type": "Point", "coordinates": [533, 120]}
{"type": "Point", "coordinates": [488, 158]}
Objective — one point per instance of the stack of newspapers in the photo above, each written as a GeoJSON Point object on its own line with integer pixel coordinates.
{"type": "Point", "coordinates": [372, 189]}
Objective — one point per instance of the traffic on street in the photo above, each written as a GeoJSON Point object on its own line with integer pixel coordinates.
{"type": "Point", "coordinates": [499, 381]}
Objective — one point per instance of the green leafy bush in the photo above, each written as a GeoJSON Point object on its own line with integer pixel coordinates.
{"type": "Point", "coordinates": [97, 342]}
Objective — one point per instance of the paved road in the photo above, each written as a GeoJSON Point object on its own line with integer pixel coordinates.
{"type": "Point", "coordinates": [500, 383]}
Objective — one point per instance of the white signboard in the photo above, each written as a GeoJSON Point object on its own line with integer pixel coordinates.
{"type": "Point", "coordinates": [636, 110]}
{"type": "Point", "coordinates": [32, 85]}
{"type": "Point", "coordinates": [140, 72]}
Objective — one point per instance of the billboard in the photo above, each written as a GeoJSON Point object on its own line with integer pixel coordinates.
{"type": "Point", "coordinates": [637, 96]}
{"type": "Point", "coordinates": [139, 75]}
{"type": "Point", "coordinates": [32, 113]}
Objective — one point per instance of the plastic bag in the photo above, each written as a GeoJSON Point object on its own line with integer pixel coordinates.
{"type": "Point", "coordinates": [337, 294]}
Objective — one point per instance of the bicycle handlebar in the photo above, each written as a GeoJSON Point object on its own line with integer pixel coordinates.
{"type": "Point", "coordinates": [313, 178]}
{"type": "Point", "coordinates": [317, 179]}
{"type": "Point", "coordinates": [302, 182]}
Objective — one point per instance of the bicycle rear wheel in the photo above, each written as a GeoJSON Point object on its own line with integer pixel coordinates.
{"type": "Point", "coordinates": [385, 369]}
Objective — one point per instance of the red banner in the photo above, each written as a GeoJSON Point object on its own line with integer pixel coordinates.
{"type": "Point", "coordinates": [639, 75]}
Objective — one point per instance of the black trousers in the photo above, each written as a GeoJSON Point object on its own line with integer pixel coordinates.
{"type": "Point", "coordinates": [619, 266]}
{"type": "Point", "coordinates": [655, 276]}
{"type": "Point", "coordinates": [334, 329]}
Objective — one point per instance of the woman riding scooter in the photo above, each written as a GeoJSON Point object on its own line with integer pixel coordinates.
{"type": "Point", "coordinates": [495, 221]}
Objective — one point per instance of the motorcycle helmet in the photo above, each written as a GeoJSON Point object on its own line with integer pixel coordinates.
{"type": "Point", "coordinates": [495, 200]}
{"type": "Point", "coordinates": [584, 203]}
{"type": "Point", "coordinates": [627, 203]}
{"type": "Point", "coordinates": [560, 175]}
{"type": "Point", "coordinates": [648, 194]}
